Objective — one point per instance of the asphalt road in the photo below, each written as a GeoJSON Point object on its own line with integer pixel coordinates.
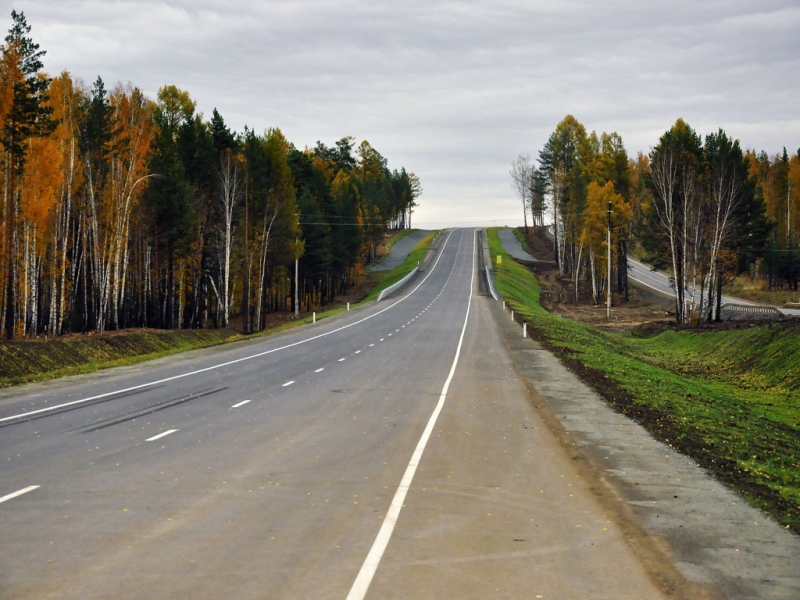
{"type": "Point", "coordinates": [400, 251]}
{"type": "Point", "coordinates": [391, 452]}
{"type": "Point", "coordinates": [641, 273]}
{"type": "Point", "coordinates": [512, 245]}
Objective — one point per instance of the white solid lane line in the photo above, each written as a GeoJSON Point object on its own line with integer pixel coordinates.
{"type": "Point", "coordinates": [242, 403]}
{"type": "Point", "coordinates": [161, 435]}
{"type": "Point", "coordinates": [320, 370]}
{"type": "Point", "coordinates": [231, 362]}
{"type": "Point", "coordinates": [370, 566]}
{"type": "Point", "coordinates": [7, 497]}
{"type": "Point", "coordinates": [287, 384]}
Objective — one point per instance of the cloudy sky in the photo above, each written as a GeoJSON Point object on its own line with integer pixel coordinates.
{"type": "Point", "coordinates": [452, 91]}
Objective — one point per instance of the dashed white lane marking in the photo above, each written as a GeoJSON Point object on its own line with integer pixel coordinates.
{"type": "Point", "coordinates": [13, 495]}
{"type": "Point", "coordinates": [357, 352]}
{"type": "Point", "coordinates": [287, 384]}
{"type": "Point", "coordinates": [242, 403]}
{"type": "Point", "coordinates": [341, 360]}
{"type": "Point", "coordinates": [320, 370]}
{"type": "Point", "coordinates": [371, 345]}
{"type": "Point", "coordinates": [381, 339]}
{"type": "Point", "coordinates": [230, 362]}
{"type": "Point", "coordinates": [161, 435]}
{"type": "Point", "coordinates": [370, 566]}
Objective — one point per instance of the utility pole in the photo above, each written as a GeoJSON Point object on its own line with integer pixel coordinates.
{"type": "Point", "coordinates": [296, 259]}
{"type": "Point", "coordinates": [788, 211]}
{"type": "Point", "coordinates": [608, 280]}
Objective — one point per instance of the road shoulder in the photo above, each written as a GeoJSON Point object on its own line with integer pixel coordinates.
{"type": "Point", "coordinates": [690, 531]}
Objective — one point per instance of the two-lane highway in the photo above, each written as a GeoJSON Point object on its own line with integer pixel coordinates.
{"type": "Point", "coordinates": [360, 457]}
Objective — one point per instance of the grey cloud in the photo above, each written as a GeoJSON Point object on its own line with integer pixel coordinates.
{"type": "Point", "coordinates": [451, 90]}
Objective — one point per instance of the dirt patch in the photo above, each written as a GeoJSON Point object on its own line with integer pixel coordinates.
{"type": "Point", "coordinates": [642, 307]}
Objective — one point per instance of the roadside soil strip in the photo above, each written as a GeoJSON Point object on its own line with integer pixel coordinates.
{"type": "Point", "coordinates": [662, 497]}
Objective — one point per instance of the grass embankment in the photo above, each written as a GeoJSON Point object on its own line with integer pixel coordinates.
{"type": "Point", "coordinates": [729, 399]}
{"type": "Point", "coordinates": [26, 361]}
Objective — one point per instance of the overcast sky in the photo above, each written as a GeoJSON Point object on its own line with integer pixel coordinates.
{"type": "Point", "coordinates": [452, 91]}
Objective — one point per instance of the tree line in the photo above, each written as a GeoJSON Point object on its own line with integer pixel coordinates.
{"type": "Point", "coordinates": [700, 207]}
{"type": "Point", "coordinates": [123, 211]}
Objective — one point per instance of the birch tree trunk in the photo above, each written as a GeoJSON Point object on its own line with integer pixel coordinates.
{"type": "Point", "coordinates": [664, 172]}
{"type": "Point", "coordinates": [230, 193]}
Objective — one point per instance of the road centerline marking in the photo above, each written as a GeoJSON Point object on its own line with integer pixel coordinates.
{"type": "Point", "coordinates": [370, 566]}
{"type": "Point", "coordinates": [19, 493]}
{"type": "Point", "coordinates": [161, 435]}
{"type": "Point", "coordinates": [242, 403]}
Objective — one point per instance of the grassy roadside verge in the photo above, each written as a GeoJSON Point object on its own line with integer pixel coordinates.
{"type": "Point", "coordinates": [728, 399]}
{"type": "Point", "coordinates": [28, 361]}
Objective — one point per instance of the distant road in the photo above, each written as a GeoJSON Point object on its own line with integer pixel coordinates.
{"type": "Point", "coordinates": [400, 251]}
{"type": "Point", "coordinates": [512, 245]}
{"type": "Point", "coordinates": [659, 282]}
{"type": "Point", "coordinates": [637, 271]}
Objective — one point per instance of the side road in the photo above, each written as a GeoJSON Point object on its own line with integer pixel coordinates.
{"type": "Point", "coordinates": [714, 538]}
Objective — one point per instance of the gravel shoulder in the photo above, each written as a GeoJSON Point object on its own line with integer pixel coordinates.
{"type": "Point", "coordinates": [671, 507]}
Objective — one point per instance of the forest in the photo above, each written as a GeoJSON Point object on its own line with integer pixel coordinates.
{"type": "Point", "coordinates": [700, 207]}
{"type": "Point", "coordinates": [121, 211]}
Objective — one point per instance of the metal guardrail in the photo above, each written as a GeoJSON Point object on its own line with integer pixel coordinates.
{"type": "Point", "coordinates": [750, 309]}
{"type": "Point", "coordinates": [490, 281]}
{"type": "Point", "coordinates": [396, 286]}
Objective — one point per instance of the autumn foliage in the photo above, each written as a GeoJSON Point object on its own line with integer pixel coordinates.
{"type": "Point", "coordinates": [123, 211]}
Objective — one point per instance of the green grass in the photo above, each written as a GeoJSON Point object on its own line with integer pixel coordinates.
{"type": "Point", "coordinates": [28, 361]}
{"type": "Point", "coordinates": [730, 399]}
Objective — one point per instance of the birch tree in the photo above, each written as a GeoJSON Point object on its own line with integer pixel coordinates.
{"type": "Point", "coordinates": [521, 179]}
{"type": "Point", "coordinates": [727, 179]}
{"type": "Point", "coordinates": [229, 197]}
{"type": "Point", "coordinates": [674, 168]}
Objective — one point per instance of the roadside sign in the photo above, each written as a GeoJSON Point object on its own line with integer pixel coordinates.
{"type": "Point", "coordinates": [499, 260]}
